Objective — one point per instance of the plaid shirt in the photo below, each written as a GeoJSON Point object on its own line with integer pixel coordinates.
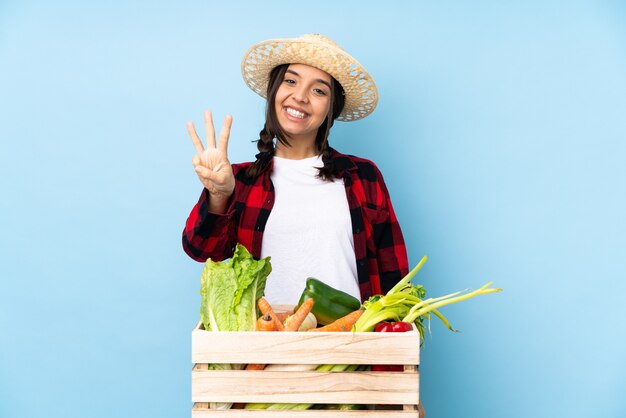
{"type": "Point", "coordinates": [379, 247]}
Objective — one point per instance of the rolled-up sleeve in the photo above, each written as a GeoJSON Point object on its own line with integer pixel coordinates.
{"type": "Point", "coordinates": [209, 235]}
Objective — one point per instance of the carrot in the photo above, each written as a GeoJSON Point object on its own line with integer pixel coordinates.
{"type": "Point", "coordinates": [265, 323]}
{"type": "Point", "coordinates": [344, 323]}
{"type": "Point", "coordinates": [295, 320]}
{"type": "Point", "coordinates": [282, 316]}
{"type": "Point", "coordinates": [266, 309]}
{"type": "Point", "coordinates": [269, 322]}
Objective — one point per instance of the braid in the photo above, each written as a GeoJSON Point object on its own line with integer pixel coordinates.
{"type": "Point", "coordinates": [328, 172]}
{"type": "Point", "coordinates": [266, 141]}
{"type": "Point", "coordinates": [265, 145]}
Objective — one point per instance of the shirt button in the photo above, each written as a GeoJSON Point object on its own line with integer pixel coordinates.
{"type": "Point", "coordinates": [258, 228]}
{"type": "Point", "coordinates": [357, 230]}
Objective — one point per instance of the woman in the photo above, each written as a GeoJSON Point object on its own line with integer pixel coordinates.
{"type": "Point", "coordinates": [316, 212]}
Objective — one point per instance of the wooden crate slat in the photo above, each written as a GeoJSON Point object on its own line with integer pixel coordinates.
{"type": "Point", "coordinates": [318, 413]}
{"type": "Point", "coordinates": [305, 347]}
{"type": "Point", "coordinates": [360, 387]}
{"type": "Point", "coordinates": [305, 387]}
{"type": "Point", "coordinates": [199, 366]}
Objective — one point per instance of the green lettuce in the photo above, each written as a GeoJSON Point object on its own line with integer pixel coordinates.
{"type": "Point", "coordinates": [230, 290]}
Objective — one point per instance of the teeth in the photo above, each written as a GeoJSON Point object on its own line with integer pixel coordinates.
{"type": "Point", "coordinates": [294, 112]}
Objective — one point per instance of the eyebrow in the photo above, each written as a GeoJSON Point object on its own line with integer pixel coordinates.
{"type": "Point", "coordinates": [319, 80]}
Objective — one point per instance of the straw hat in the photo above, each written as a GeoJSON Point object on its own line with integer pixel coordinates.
{"type": "Point", "coordinates": [320, 52]}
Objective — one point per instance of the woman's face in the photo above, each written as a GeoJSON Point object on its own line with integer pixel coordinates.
{"type": "Point", "coordinates": [303, 100]}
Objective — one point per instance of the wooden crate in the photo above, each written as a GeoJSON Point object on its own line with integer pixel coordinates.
{"type": "Point", "coordinates": [388, 394]}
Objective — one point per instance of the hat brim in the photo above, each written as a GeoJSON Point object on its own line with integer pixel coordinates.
{"type": "Point", "coordinates": [361, 94]}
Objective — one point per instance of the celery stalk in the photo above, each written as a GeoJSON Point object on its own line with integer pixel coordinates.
{"type": "Point", "coordinates": [412, 316]}
{"type": "Point", "coordinates": [406, 279]}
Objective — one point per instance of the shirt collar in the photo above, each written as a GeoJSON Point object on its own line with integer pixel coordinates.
{"type": "Point", "coordinates": [343, 162]}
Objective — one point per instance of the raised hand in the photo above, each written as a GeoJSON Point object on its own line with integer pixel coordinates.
{"type": "Point", "coordinates": [211, 164]}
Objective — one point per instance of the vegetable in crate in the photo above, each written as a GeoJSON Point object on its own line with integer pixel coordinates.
{"type": "Point", "coordinates": [391, 327]}
{"type": "Point", "coordinates": [310, 322]}
{"type": "Point", "coordinates": [340, 407]}
{"type": "Point", "coordinates": [230, 290]}
{"type": "Point", "coordinates": [330, 303]}
{"type": "Point", "coordinates": [293, 322]}
{"type": "Point", "coordinates": [266, 323]}
{"type": "Point", "coordinates": [266, 309]}
{"type": "Point", "coordinates": [343, 324]}
{"type": "Point", "coordinates": [402, 303]}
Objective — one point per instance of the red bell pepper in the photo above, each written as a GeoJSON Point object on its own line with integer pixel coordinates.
{"type": "Point", "coordinates": [391, 327]}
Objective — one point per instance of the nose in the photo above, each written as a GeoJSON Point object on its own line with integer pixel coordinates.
{"type": "Point", "coordinates": [300, 95]}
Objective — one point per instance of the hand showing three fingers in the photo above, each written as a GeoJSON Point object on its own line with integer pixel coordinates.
{"type": "Point", "coordinates": [211, 164]}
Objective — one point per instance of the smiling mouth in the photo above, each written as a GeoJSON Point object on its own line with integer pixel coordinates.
{"type": "Point", "coordinates": [296, 113]}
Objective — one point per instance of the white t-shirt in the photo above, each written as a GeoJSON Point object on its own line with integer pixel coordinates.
{"type": "Point", "coordinates": [308, 232]}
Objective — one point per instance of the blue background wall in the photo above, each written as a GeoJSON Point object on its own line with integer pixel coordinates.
{"type": "Point", "coordinates": [500, 132]}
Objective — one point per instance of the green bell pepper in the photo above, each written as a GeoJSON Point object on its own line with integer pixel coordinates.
{"type": "Point", "coordinates": [330, 303]}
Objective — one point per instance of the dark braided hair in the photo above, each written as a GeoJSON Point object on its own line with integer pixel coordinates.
{"type": "Point", "coordinates": [272, 128]}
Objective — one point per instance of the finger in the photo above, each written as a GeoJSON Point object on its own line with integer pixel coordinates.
{"type": "Point", "coordinates": [225, 133]}
{"type": "Point", "coordinates": [195, 160]}
{"type": "Point", "coordinates": [205, 173]}
{"type": "Point", "coordinates": [197, 143]}
{"type": "Point", "coordinates": [210, 130]}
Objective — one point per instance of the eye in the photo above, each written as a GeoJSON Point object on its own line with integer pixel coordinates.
{"type": "Point", "coordinates": [320, 92]}
{"type": "Point", "coordinates": [289, 81]}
